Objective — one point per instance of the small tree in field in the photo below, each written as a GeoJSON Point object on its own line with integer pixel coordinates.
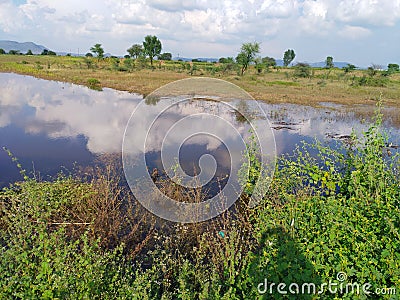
{"type": "Point", "coordinates": [98, 50]}
{"type": "Point", "coordinates": [302, 70]}
{"type": "Point", "coordinates": [29, 52]}
{"type": "Point", "coordinates": [152, 47]}
{"type": "Point", "coordinates": [247, 55]}
{"type": "Point", "coordinates": [393, 68]}
{"type": "Point", "coordinates": [329, 62]}
{"type": "Point", "coordinates": [349, 68]}
{"type": "Point", "coordinates": [288, 57]}
{"type": "Point", "coordinates": [269, 61]}
{"type": "Point", "coordinates": [165, 56]}
{"type": "Point", "coordinates": [135, 51]}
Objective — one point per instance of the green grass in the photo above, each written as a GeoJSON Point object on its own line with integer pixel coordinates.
{"type": "Point", "coordinates": [77, 237]}
{"type": "Point", "coordinates": [275, 85]}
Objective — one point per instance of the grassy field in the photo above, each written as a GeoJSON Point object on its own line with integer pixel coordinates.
{"type": "Point", "coordinates": [275, 86]}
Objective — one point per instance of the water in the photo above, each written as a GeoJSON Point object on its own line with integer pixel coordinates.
{"type": "Point", "coordinates": [52, 126]}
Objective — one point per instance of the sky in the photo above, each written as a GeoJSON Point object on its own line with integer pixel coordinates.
{"type": "Point", "coordinates": [362, 32]}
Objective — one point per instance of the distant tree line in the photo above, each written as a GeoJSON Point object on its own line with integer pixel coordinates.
{"type": "Point", "coordinates": [29, 52]}
{"type": "Point", "coordinates": [151, 48]}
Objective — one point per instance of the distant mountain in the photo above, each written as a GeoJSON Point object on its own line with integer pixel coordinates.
{"type": "Point", "coordinates": [321, 64]}
{"type": "Point", "coordinates": [21, 47]}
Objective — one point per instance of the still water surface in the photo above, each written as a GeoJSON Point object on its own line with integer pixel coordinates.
{"type": "Point", "coordinates": [50, 126]}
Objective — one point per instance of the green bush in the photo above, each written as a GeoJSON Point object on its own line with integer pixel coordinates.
{"type": "Point", "coordinates": [94, 84]}
{"type": "Point", "coordinates": [302, 70]}
{"type": "Point", "coordinates": [370, 81]}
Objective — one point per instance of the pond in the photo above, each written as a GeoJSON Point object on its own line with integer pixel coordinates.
{"type": "Point", "coordinates": [52, 126]}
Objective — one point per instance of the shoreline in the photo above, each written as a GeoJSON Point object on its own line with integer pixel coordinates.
{"type": "Point", "coordinates": [275, 86]}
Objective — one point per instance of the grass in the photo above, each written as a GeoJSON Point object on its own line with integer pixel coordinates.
{"type": "Point", "coordinates": [276, 86]}
{"type": "Point", "coordinates": [84, 237]}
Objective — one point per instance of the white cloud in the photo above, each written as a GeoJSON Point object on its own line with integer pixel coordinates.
{"type": "Point", "coordinates": [278, 9]}
{"type": "Point", "coordinates": [382, 12]}
{"type": "Point", "coordinates": [197, 27]}
{"type": "Point", "coordinates": [354, 32]}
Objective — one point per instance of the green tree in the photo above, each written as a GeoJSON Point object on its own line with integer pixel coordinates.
{"type": "Point", "coordinates": [29, 52]}
{"type": "Point", "coordinates": [259, 65]}
{"type": "Point", "coordinates": [302, 70]}
{"type": "Point", "coordinates": [226, 60]}
{"type": "Point", "coordinates": [269, 61]}
{"type": "Point", "coordinates": [135, 50]}
{"type": "Point", "coordinates": [247, 55]}
{"type": "Point", "coordinates": [2, 51]}
{"type": "Point", "coordinates": [288, 57]}
{"type": "Point", "coordinates": [165, 56]}
{"type": "Point", "coordinates": [89, 54]}
{"type": "Point", "coordinates": [349, 68]}
{"type": "Point", "coordinates": [393, 68]}
{"type": "Point", "coordinates": [13, 52]}
{"type": "Point", "coordinates": [98, 50]}
{"type": "Point", "coordinates": [329, 62]}
{"type": "Point", "coordinates": [151, 47]}
{"type": "Point", "coordinates": [45, 52]}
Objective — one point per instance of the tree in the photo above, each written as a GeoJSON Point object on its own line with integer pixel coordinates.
{"type": "Point", "coordinates": [2, 51]}
{"type": "Point", "coordinates": [259, 65]}
{"type": "Point", "coordinates": [48, 52]}
{"type": "Point", "coordinates": [165, 56]}
{"type": "Point", "coordinates": [89, 54]}
{"type": "Point", "coordinates": [97, 49]}
{"type": "Point", "coordinates": [373, 70]}
{"type": "Point", "coordinates": [247, 55]}
{"type": "Point", "coordinates": [13, 52]}
{"type": "Point", "coordinates": [302, 70]}
{"type": "Point", "coordinates": [226, 60]}
{"type": "Point", "coordinates": [135, 50]}
{"type": "Point", "coordinates": [393, 68]}
{"type": "Point", "coordinates": [288, 57]}
{"type": "Point", "coordinates": [329, 62]}
{"type": "Point", "coordinates": [349, 68]}
{"type": "Point", "coordinates": [151, 47]}
{"type": "Point", "coordinates": [29, 52]}
{"type": "Point", "coordinates": [269, 61]}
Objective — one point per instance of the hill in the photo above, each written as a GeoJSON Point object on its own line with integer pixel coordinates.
{"type": "Point", "coordinates": [21, 47]}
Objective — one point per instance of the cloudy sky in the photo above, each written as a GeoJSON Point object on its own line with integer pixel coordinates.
{"type": "Point", "coordinates": [357, 31]}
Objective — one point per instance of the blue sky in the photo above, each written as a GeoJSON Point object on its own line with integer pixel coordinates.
{"type": "Point", "coordinates": [357, 31]}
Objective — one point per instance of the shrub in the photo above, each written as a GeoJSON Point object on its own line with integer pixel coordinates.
{"type": "Point", "coordinates": [94, 84]}
{"type": "Point", "coordinates": [302, 70]}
